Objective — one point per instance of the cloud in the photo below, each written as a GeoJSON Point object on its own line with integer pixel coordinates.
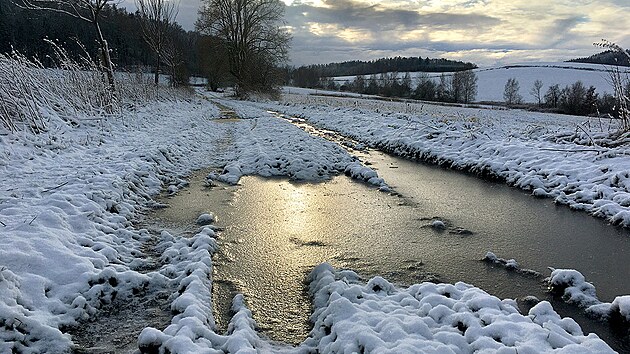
{"type": "Point", "coordinates": [497, 28]}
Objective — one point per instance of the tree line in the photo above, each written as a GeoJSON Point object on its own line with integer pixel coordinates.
{"type": "Point", "coordinates": [457, 87]}
{"type": "Point", "coordinates": [574, 99]}
{"type": "Point", "coordinates": [25, 30]}
{"type": "Point", "coordinates": [608, 57]}
{"type": "Point", "coordinates": [310, 75]}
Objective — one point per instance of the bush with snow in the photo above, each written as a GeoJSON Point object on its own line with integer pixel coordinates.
{"type": "Point", "coordinates": [205, 219]}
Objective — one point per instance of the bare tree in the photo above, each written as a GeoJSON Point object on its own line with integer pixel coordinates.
{"type": "Point", "coordinates": [86, 10]}
{"type": "Point", "coordinates": [510, 93]}
{"type": "Point", "coordinates": [158, 17]}
{"type": "Point", "coordinates": [552, 96]}
{"type": "Point", "coordinates": [467, 85]}
{"type": "Point", "coordinates": [620, 84]}
{"type": "Point", "coordinates": [536, 91]}
{"type": "Point", "coordinates": [254, 35]}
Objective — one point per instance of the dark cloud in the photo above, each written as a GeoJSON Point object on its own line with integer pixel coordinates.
{"type": "Point", "coordinates": [376, 18]}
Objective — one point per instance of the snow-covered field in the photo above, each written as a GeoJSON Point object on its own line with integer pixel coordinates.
{"type": "Point", "coordinates": [72, 197]}
{"type": "Point", "coordinates": [491, 80]}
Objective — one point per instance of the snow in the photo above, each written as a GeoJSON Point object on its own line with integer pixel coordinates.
{"type": "Point", "coordinates": [432, 318]}
{"type": "Point", "coordinates": [438, 224]}
{"type": "Point", "coordinates": [205, 219]}
{"type": "Point", "coordinates": [621, 305]}
{"type": "Point", "coordinates": [70, 243]}
{"type": "Point", "coordinates": [573, 287]}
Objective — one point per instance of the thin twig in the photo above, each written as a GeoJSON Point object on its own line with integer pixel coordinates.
{"type": "Point", "coordinates": [30, 223]}
{"type": "Point", "coordinates": [53, 188]}
{"type": "Point", "coordinates": [572, 150]}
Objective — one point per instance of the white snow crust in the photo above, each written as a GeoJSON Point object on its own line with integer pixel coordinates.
{"type": "Point", "coordinates": [574, 288]}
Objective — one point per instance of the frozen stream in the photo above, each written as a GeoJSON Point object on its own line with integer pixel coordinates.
{"type": "Point", "coordinates": [277, 231]}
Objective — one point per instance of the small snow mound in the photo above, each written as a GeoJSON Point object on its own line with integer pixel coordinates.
{"type": "Point", "coordinates": [150, 340]}
{"type": "Point", "coordinates": [573, 287]}
{"type": "Point", "coordinates": [205, 219]}
{"type": "Point", "coordinates": [540, 192]}
{"type": "Point", "coordinates": [172, 189]}
{"type": "Point", "coordinates": [438, 224]}
{"type": "Point", "coordinates": [530, 299]}
{"type": "Point", "coordinates": [621, 306]}
{"type": "Point", "coordinates": [511, 264]}
{"type": "Point", "coordinates": [491, 257]}
{"type": "Point", "coordinates": [358, 171]}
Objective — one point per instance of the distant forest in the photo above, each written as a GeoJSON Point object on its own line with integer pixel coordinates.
{"type": "Point", "coordinates": [25, 30]}
{"type": "Point", "coordinates": [387, 65]}
{"type": "Point", "coordinates": [606, 58]}
{"type": "Point", "coordinates": [313, 75]}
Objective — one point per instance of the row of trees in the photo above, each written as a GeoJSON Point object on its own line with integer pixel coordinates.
{"type": "Point", "coordinates": [384, 65]}
{"type": "Point", "coordinates": [131, 40]}
{"type": "Point", "coordinates": [575, 99]}
{"type": "Point", "coordinates": [458, 87]}
{"type": "Point", "coordinates": [310, 75]}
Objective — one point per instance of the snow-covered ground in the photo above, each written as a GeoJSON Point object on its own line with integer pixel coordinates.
{"type": "Point", "coordinates": [72, 197]}
{"type": "Point", "coordinates": [491, 80]}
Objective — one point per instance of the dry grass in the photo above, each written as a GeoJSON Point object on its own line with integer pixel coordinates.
{"type": "Point", "coordinates": [31, 94]}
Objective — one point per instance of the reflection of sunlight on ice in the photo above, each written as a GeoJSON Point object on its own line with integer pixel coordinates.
{"type": "Point", "coordinates": [296, 213]}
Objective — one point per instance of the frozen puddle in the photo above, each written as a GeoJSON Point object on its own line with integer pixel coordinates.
{"type": "Point", "coordinates": [276, 231]}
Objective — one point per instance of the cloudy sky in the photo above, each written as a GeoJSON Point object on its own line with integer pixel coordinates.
{"type": "Point", "coordinates": [486, 32]}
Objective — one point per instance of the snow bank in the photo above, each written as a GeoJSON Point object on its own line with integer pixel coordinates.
{"type": "Point", "coordinates": [351, 316]}
{"type": "Point", "coordinates": [67, 243]}
{"type": "Point", "coordinates": [543, 153]}
{"type": "Point", "coordinates": [433, 318]}
{"type": "Point", "coordinates": [270, 146]}
{"type": "Point", "coordinates": [573, 287]}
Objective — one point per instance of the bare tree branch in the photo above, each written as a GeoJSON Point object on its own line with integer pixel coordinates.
{"type": "Point", "coordinates": [254, 36]}
{"type": "Point", "coordinates": [158, 17]}
{"type": "Point", "coordinates": [85, 10]}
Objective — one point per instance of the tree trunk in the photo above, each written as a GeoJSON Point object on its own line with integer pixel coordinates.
{"type": "Point", "coordinates": [105, 59]}
{"type": "Point", "coordinates": [157, 70]}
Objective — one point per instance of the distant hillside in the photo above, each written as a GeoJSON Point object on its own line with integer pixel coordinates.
{"type": "Point", "coordinates": [607, 58]}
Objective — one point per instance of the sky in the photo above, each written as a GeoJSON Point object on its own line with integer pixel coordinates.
{"type": "Point", "coordinates": [485, 32]}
